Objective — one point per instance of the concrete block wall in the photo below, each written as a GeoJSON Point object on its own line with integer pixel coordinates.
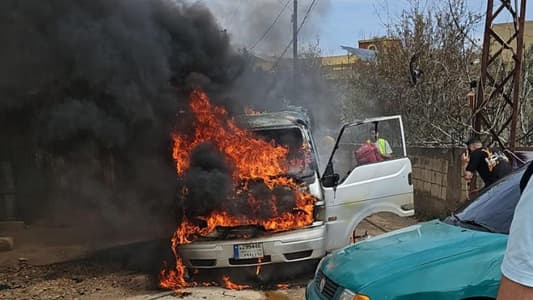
{"type": "Point", "coordinates": [430, 176]}
{"type": "Point", "coordinates": [439, 187]}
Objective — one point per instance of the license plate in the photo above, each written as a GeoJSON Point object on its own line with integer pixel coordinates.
{"type": "Point", "coordinates": [251, 250]}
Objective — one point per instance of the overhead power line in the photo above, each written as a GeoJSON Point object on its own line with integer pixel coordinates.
{"type": "Point", "coordinates": [278, 60]}
{"type": "Point", "coordinates": [307, 13]}
{"type": "Point", "coordinates": [271, 25]}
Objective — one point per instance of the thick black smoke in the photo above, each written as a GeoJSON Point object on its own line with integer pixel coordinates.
{"type": "Point", "coordinates": [210, 187]}
{"type": "Point", "coordinates": [208, 181]}
{"type": "Point", "coordinates": [89, 92]}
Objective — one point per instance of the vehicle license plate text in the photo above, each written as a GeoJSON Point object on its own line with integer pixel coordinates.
{"type": "Point", "coordinates": [251, 250]}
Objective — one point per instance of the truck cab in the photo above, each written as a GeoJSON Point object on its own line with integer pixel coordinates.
{"type": "Point", "coordinates": [346, 193]}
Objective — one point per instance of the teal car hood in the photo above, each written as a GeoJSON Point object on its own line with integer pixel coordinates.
{"type": "Point", "coordinates": [418, 259]}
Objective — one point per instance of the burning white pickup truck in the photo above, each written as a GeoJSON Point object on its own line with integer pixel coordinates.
{"type": "Point", "coordinates": [270, 204]}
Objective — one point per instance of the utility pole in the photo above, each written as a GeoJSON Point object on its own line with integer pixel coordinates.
{"type": "Point", "coordinates": [518, 58]}
{"type": "Point", "coordinates": [499, 90]}
{"type": "Point", "coordinates": [294, 45]}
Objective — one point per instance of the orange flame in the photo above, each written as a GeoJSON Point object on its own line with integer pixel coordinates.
{"type": "Point", "coordinates": [174, 278]}
{"type": "Point", "coordinates": [252, 158]}
{"type": "Point", "coordinates": [233, 286]}
{"type": "Point", "coordinates": [282, 286]}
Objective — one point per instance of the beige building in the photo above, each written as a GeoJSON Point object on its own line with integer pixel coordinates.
{"type": "Point", "coordinates": [341, 67]}
{"type": "Point", "coordinates": [506, 30]}
{"type": "Point", "coordinates": [380, 43]}
{"type": "Point", "coordinates": [334, 67]}
{"type": "Point", "coordinates": [338, 67]}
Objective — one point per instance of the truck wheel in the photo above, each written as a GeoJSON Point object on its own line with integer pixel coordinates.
{"type": "Point", "coordinates": [368, 227]}
{"type": "Point", "coordinates": [358, 235]}
{"type": "Point", "coordinates": [379, 223]}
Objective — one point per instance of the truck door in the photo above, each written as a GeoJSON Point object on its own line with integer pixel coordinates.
{"type": "Point", "coordinates": [367, 172]}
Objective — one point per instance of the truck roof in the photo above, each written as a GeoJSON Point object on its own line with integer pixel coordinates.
{"type": "Point", "coordinates": [273, 119]}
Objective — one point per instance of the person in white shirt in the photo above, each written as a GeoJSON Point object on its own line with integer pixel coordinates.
{"type": "Point", "coordinates": [517, 266]}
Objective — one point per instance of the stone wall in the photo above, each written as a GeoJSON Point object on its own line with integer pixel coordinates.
{"type": "Point", "coordinates": [437, 179]}
{"type": "Point", "coordinates": [439, 187]}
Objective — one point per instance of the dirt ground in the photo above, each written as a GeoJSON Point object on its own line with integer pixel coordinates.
{"type": "Point", "coordinates": [96, 280]}
{"type": "Point", "coordinates": [73, 280]}
{"type": "Point", "coordinates": [44, 266]}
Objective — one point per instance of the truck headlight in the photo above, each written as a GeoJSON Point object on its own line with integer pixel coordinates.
{"type": "Point", "coordinates": [349, 295]}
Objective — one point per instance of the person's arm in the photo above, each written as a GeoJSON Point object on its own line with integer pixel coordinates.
{"type": "Point", "coordinates": [510, 290]}
{"type": "Point", "coordinates": [465, 158]}
{"type": "Point", "coordinates": [517, 266]}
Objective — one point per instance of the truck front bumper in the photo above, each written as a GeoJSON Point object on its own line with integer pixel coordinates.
{"type": "Point", "coordinates": [291, 246]}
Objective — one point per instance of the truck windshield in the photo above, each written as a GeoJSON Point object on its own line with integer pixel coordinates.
{"type": "Point", "coordinates": [299, 150]}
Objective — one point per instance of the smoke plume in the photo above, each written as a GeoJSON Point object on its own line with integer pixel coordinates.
{"type": "Point", "coordinates": [89, 92]}
{"type": "Point", "coordinates": [255, 28]}
{"type": "Point", "coordinates": [248, 21]}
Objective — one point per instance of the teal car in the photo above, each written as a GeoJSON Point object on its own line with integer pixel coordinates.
{"type": "Point", "coordinates": [457, 258]}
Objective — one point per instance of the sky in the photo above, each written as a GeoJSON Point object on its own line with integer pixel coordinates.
{"type": "Point", "coordinates": [332, 22]}
{"type": "Point", "coordinates": [351, 20]}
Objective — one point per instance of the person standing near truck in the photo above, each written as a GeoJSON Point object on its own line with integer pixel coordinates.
{"type": "Point", "coordinates": [382, 144]}
{"type": "Point", "coordinates": [375, 149]}
{"type": "Point", "coordinates": [490, 163]}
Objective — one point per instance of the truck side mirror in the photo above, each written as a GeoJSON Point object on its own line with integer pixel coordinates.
{"type": "Point", "coordinates": [330, 180]}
